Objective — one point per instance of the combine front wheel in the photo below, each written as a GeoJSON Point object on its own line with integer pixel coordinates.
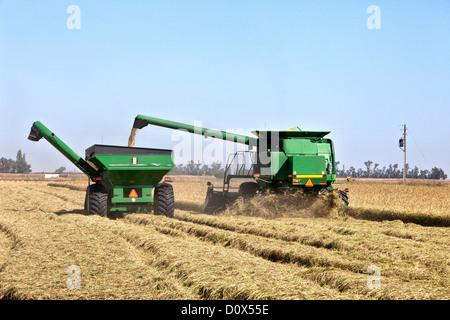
{"type": "Point", "coordinates": [344, 197]}
{"type": "Point", "coordinates": [248, 189]}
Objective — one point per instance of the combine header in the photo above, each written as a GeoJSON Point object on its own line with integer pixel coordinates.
{"type": "Point", "coordinates": [124, 179]}
{"type": "Point", "coordinates": [286, 160]}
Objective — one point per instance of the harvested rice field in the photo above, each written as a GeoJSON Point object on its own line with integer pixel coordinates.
{"type": "Point", "coordinates": [393, 244]}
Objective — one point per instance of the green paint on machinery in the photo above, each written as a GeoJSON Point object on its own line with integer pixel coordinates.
{"type": "Point", "coordinates": [124, 178]}
{"type": "Point", "coordinates": [283, 161]}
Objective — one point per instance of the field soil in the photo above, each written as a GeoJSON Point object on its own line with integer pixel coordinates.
{"type": "Point", "coordinates": [393, 244]}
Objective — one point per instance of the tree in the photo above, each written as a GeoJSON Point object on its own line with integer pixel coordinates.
{"type": "Point", "coordinates": [21, 164]}
{"type": "Point", "coordinates": [7, 165]}
{"type": "Point", "coordinates": [424, 174]}
{"type": "Point", "coordinates": [414, 173]}
{"type": "Point", "coordinates": [217, 170]}
{"type": "Point", "coordinates": [437, 173]}
{"type": "Point", "coordinates": [395, 172]}
{"type": "Point", "coordinates": [60, 170]}
{"type": "Point", "coordinates": [376, 171]}
{"type": "Point", "coordinates": [368, 163]}
{"type": "Point", "coordinates": [392, 171]}
{"type": "Point", "coordinates": [195, 169]}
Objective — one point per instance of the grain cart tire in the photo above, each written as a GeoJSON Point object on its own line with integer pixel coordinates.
{"type": "Point", "coordinates": [344, 197]}
{"type": "Point", "coordinates": [96, 201]}
{"type": "Point", "coordinates": [164, 200]}
{"type": "Point", "coordinates": [248, 189]}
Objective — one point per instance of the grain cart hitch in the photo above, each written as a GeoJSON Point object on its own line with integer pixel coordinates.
{"type": "Point", "coordinates": [124, 179]}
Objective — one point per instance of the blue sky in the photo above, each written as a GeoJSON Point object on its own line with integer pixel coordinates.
{"type": "Point", "coordinates": [232, 65]}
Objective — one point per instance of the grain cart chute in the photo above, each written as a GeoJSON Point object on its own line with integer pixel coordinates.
{"type": "Point", "coordinates": [124, 178]}
{"type": "Point", "coordinates": [285, 160]}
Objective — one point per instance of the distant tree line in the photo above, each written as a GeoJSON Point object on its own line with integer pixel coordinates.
{"type": "Point", "coordinates": [198, 169]}
{"type": "Point", "coordinates": [372, 170]}
{"type": "Point", "coordinates": [19, 165]}
{"type": "Point", "coordinates": [392, 171]}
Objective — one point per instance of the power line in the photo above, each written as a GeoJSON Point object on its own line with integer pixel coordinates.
{"type": "Point", "coordinates": [423, 155]}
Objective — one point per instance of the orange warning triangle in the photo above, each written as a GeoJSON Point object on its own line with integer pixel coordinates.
{"type": "Point", "coordinates": [309, 183]}
{"type": "Point", "coordinates": [133, 194]}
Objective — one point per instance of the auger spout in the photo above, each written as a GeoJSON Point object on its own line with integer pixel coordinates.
{"type": "Point", "coordinates": [141, 121]}
{"type": "Point", "coordinates": [39, 131]}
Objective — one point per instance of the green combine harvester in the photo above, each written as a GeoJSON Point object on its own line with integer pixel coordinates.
{"type": "Point", "coordinates": [124, 178]}
{"type": "Point", "coordinates": [286, 160]}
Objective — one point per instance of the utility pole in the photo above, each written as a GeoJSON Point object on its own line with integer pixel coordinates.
{"type": "Point", "coordinates": [402, 145]}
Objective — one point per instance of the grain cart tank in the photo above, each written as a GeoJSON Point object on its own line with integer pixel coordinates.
{"type": "Point", "coordinates": [283, 161]}
{"type": "Point", "coordinates": [124, 178]}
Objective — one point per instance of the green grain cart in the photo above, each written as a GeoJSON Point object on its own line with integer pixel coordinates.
{"type": "Point", "coordinates": [124, 178]}
{"type": "Point", "coordinates": [282, 161]}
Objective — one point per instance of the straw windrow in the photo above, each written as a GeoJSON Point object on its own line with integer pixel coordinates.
{"type": "Point", "coordinates": [298, 204]}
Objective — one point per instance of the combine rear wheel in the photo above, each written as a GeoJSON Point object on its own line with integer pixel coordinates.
{"type": "Point", "coordinates": [96, 201]}
{"type": "Point", "coordinates": [164, 200]}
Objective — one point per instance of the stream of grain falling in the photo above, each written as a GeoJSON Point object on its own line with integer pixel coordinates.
{"type": "Point", "coordinates": [131, 140]}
